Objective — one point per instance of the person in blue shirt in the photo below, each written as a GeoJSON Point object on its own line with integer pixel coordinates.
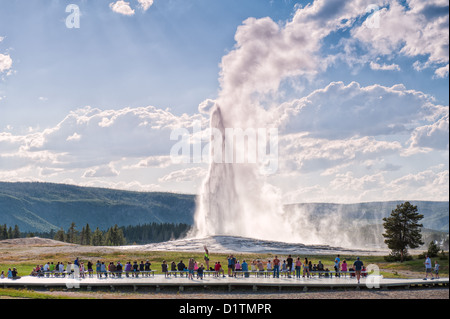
{"type": "Point", "coordinates": [358, 264]}
{"type": "Point", "coordinates": [231, 264]}
{"type": "Point", "coordinates": [244, 267]}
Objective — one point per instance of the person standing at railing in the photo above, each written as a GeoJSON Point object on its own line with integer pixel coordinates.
{"type": "Point", "coordinates": [119, 269]}
{"type": "Point", "coordinates": [245, 268]}
{"type": "Point", "coordinates": [200, 272]}
{"type": "Point", "coordinates": [98, 269]}
{"type": "Point", "coordinates": [290, 261]}
{"type": "Point", "coordinates": [276, 267]}
{"type": "Point", "coordinates": [206, 257]}
{"type": "Point", "coordinates": [358, 264]}
{"type": "Point", "coordinates": [103, 269]}
{"type": "Point", "coordinates": [147, 267]}
{"type": "Point", "coordinates": [191, 268]}
{"type": "Point", "coordinates": [344, 266]}
{"type": "Point", "coordinates": [298, 267]}
{"type": "Point", "coordinates": [164, 269]}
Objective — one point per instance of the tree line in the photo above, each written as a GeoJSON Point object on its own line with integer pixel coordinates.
{"type": "Point", "coordinates": [115, 235]}
{"type": "Point", "coordinates": [9, 232]}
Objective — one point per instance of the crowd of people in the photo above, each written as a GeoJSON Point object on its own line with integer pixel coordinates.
{"type": "Point", "coordinates": [11, 274]}
{"type": "Point", "coordinates": [287, 266]}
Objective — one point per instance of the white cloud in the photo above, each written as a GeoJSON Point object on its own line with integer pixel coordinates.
{"type": "Point", "coordinates": [152, 161]}
{"type": "Point", "coordinates": [206, 106]}
{"type": "Point", "coordinates": [190, 174]}
{"type": "Point", "coordinates": [302, 154]}
{"type": "Point", "coordinates": [420, 29]}
{"type": "Point", "coordinates": [433, 136]}
{"type": "Point", "coordinates": [128, 132]}
{"type": "Point", "coordinates": [101, 171]}
{"type": "Point", "coordinates": [384, 67]}
{"type": "Point", "coordinates": [348, 187]}
{"type": "Point", "coordinates": [5, 62]}
{"type": "Point", "coordinates": [442, 72]}
{"type": "Point", "coordinates": [74, 137]}
{"type": "Point", "coordinates": [145, 4]}
{"type": "Point", "coordinates": [121, 7]}
{"type": "Point", "coordinates": [343, 111]}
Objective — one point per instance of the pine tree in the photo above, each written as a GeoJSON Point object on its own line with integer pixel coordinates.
{"type": "Point", "coordinates": [97, 237]}
{"type": "Point", "coordinates": [3, 232]}
{"type": "Point", "coordinates": [88, 235]}
{"type": "Point", "coordinates": [403, 230]}
{"type": "Point", "coordinates": [72, 234]}
{"type": "Point", "coordinates": [16, 232]}
{"type": "Point", "coordinates": [60, 235]}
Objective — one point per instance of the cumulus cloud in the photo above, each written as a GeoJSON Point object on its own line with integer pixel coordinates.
{"type": "Point", "coordinates": [434, 136]}
{"type": "Point", "coordinates": [384, 67]}
{"type": "Point", "coordinates": [302, 154]}
{"type": "Point", "coordinates": [122, 7]}
{"type": "Point", "coordinates": [349, 187]}
{"type": "Point", "coordinates": [185, 175]}
{"type": "Point", "coordinates": [5, 62]}
{"type": "Point", "coordinates": [145, 4]}
{"type": "Point", "coordinates": [442, 72]}
{"type": "Point", "coordinates": [418, 29]}
{"type": "Point", "coordinates": [101, 171]}
{"type": "Point", "coordinates": [141, 131]}
{"type": "Point", "coordinates": [343, 111]}
{"type": "Point", "coordinates": [206, 106]}
{"type": "Point", "coordinates": [88, 140]}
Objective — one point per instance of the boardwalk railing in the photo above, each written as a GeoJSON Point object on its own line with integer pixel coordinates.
{"type": "Point", "coordinates": [185, 273]}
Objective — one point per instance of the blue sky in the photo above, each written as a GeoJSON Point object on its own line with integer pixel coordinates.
{"type": "Point", "coordinates": [59, 85]}
{"type": "Point", "coordinates": [175, 46]}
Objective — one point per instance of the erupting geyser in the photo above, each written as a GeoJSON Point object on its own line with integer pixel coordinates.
{"type": "Point", "coordinates": [235, 199]}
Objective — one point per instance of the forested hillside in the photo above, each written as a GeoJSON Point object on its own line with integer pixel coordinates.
{"type": "Point", "coordinates": [41, 207]}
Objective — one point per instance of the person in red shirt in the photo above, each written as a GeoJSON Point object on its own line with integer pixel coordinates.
{"type": "Point", "coordinates": [276, 267]}
{"type": "Point", "coordinates": [218, 269]}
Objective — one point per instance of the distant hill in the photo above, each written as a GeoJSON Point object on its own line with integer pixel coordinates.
{"type": "Point", "coordinates": [41, 207]}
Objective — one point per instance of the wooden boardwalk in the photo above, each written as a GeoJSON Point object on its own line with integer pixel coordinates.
{"type": "Point", "coordinates": [160, 282]}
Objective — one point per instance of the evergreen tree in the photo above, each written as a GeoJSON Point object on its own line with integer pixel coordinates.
{"type": "Point", "coordinates": [97, 237]}
{"type": "Point", "coordinates": [433, 249]}
{"type": "Point", "coordinates": [402, 230]}
{"type": "Point", "coordinates": [3, 232]}
{"type": "Point", "coordinates": [82, 235]}
{"type": "Point", "coordinates": [114, 236]}
{"type": "Point", "coordinates": [16, 232]}
{"type": "Point", "coordinates": [60, 235]}
{"type": "Point", "coordinates": [72, 234]}
{"type": "Point", "coordinates": [88, 235]}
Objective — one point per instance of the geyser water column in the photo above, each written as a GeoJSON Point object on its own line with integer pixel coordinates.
{"type": "Point", "coordinates": [235, 199]}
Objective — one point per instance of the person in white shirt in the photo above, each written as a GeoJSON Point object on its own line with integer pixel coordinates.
{"type": "Point", "coordinates": [61, 269]}
{"type": "Point", "coordinates": [428, 268]}
{"type": "Point", "coordinates": [46, 269]}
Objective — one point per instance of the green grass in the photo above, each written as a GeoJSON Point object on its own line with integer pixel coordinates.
{"type": "Point", "coordinates": [28, 294]}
